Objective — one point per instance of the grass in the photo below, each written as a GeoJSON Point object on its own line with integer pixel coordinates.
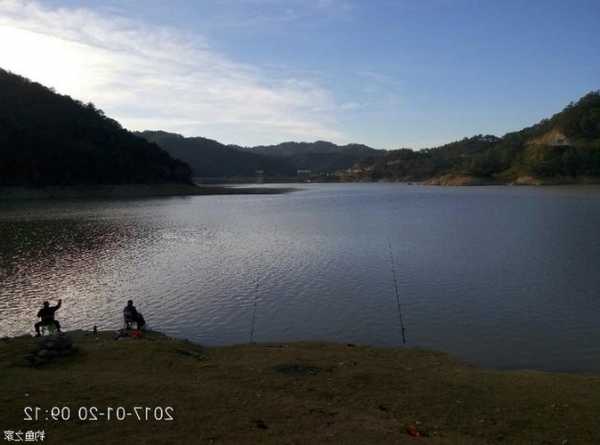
{"type": "Point", "coordinates": [293, 393]}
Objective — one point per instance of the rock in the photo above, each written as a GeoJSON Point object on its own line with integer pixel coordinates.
{"type": "Point", "coordinates": [50, 348]}
{"type": "Point", "coordinates": [42, 353]}
{"type": "Point", "coordinates": [63, 341]}
{"type": "Point", "coordinates": [50, 345]}
{"type": "Point", "coordinates": [64, 347]}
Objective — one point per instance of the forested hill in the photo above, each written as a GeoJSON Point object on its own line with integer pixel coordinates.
{"type": "Point", "coordinates": [47, 139]}
{"type": "Point", "coordinates": [565, 146]}
{"type": "Point", "coordinates": [209, 158]}
{"type": "Point", "coordinates": [319, 156]}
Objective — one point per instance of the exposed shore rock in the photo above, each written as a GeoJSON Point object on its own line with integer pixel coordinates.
{"type": "Point", "coordinates": [49, 349]}
{"type": "Point", "coordinates": [558, 180]}
{"type": "Point", "coordinates": [460, 180]}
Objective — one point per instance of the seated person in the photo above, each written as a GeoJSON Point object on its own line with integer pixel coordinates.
{"type": "Point", "coordinates": [131, 315]}
{"type": "Point", "coordinates": [46, 313]}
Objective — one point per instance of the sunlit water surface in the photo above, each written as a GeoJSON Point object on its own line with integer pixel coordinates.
{"type": "Point", "coordinates": [500, 276]}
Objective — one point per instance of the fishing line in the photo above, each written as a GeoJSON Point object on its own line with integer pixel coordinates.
{"type": "Point", "coordinates": [397, 292]}
{"type": "Point", "coordinates": [254, 310]}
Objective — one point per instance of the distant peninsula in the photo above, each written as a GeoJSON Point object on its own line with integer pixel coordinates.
{"type": "Point", "coordinates": [564, 149]}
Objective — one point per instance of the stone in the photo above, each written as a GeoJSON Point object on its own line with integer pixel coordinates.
{"type": "Point", "coordinates": [50, 345]}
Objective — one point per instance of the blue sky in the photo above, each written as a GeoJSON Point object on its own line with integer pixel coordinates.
{"type": "Point", "coordinates": [385, 73]}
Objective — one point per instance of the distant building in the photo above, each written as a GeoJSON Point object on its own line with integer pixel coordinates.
{"type": "Point", "coordinates": [303, 172]}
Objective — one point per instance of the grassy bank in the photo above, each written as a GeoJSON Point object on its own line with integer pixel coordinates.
{"type": "Point", "coordinates": [129, 191]}
{"type": "Point", "coordinates": [291, 393]}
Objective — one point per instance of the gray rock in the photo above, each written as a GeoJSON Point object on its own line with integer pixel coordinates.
{"type": "Point", "coordinates": [42, 353]}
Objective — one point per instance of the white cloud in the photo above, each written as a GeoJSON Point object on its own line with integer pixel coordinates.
{"type": "Point", "coordinates": [351, 106]}
{"type": "Point", "coordinates": [159, 78]}
{"type": "Point", "coordinates": [261, 13]}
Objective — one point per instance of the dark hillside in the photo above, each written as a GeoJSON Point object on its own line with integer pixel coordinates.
{"type": "Point", "coordinates": [565, 146]}
{"type": "Point", "coordinates": [320, 156]}
{"type": "Point", "coordinates": [48, 139]}
{"type": "Point", "coordinates": [209, 158]}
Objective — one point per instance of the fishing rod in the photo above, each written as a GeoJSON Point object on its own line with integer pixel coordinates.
{"type": "Point", "coordinates": [254, 310]}
{"type": "Point", "coordinates": [397, 292]}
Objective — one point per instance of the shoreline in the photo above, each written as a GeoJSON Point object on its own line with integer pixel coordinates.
{"type": "Point", "coordinates": [474, 181]}
{"type": "Point", "coordinates": [460, 180]}
{"type": "Point", "coordinates": [293, 392]}
{"type": "Point", "coordinates": [130, 191]}
{"type": "Point", "coordinates": [133, 191]}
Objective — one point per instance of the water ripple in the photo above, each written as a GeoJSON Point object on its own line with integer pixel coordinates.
{"type": "Point", "coordinates": [500, 276]}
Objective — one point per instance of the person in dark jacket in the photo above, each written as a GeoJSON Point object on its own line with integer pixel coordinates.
{"type": "Point", "coordinates": [131, 315]}
{"type": "Point", "coordinates": [46, 313]}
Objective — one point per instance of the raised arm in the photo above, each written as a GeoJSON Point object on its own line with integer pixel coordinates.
{"type": "Point", "coordinates": [57, 307]}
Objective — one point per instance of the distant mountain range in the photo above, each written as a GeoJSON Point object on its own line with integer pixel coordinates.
{"type": "Point", "coordinates": [209, 158]}
{"type": "Point", "coordinates": [562, 149]}
{"type": "Point", "coordinates": [47, 139]}
{"type": "Point", "coordinates": [319, 157]}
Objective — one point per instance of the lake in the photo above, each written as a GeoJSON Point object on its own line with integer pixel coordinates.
{"type": "Point", "coordinates": [504, 277]}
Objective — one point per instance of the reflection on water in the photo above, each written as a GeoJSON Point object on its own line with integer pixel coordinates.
{"type": "Point", "coordinates": [500, 276]}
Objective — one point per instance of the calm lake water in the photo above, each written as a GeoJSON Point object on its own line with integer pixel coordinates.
{"type": "Point", "coordinates": [503, 277]}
